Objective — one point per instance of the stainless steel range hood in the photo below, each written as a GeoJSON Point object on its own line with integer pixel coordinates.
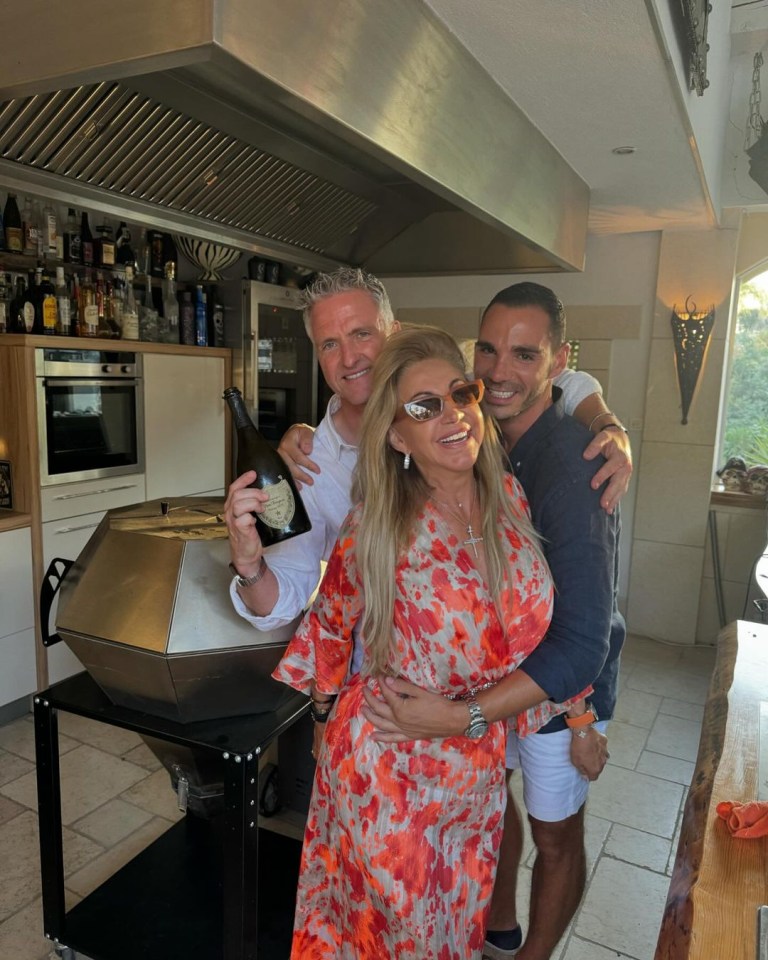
{"type": "Point", "coordinates": [355, 131]}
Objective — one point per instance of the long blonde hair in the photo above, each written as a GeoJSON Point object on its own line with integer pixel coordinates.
{"type": "Point", "coordinates": [392, 498]}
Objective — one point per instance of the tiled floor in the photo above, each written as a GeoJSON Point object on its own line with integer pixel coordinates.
{"type": "Point", "coordinates": [116, 799]}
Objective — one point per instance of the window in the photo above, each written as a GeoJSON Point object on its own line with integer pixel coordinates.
{"type": "Point", "coordinates": [745, 412]}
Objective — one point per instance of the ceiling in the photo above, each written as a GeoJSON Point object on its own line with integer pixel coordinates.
{"type": "Point", "coordinates": [560, 76]}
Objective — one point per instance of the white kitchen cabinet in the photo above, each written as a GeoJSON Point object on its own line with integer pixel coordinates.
{"type": "Point", "coordinates": [185, 425]}
{"type": "Point", "coordinates": [17, 617]}
{"type": "Point", "coordinates": [65, 538]}
{"type": "Point", "coordinates": [67, 500]}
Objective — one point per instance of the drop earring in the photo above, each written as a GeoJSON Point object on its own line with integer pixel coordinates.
{"type": "Point", "coordinates": [406, 461]}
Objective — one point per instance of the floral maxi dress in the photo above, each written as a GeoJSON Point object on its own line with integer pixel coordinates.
{"type": "Point", "coordinates": [402, 840]}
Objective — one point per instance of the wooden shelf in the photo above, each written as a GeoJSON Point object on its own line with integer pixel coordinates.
{"type": "Point", "coordinates": [96, 343]}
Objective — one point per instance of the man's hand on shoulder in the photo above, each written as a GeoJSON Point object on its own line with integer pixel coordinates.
{"type": "Point", "coordinates": [295, 448]}
{"type": "Point", "coordinates": [613, 443]}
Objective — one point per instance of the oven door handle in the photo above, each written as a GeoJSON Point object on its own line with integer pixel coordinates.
{"type": "Point", "coordinates": [90, 382]}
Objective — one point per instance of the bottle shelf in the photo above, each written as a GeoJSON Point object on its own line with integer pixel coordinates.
{"type": "Point", "coordinates": [25, 262]}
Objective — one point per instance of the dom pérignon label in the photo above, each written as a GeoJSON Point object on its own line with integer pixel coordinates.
{"type": "Point", "coordinates": [284, 515]}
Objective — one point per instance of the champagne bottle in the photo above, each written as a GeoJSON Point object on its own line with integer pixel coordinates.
{"type": "Point", "coordinates": [284, 516]}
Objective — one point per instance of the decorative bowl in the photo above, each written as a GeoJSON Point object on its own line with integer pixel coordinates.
{"type": "Point", "coordinates": [212, 258]}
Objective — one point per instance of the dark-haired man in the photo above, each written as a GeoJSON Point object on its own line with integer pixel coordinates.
{"type": "Point", "coordinates": [520, 351]}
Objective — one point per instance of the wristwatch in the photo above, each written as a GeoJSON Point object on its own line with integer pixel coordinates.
{"type": "Point", "coordinates": [580, 725]}
{"type": "Point", "coordinates": [478, 725]}
{"type": "Point", "coordinates": [249, 581]}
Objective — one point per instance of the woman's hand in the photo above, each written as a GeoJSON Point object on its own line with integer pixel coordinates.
{"type": "Point", "coordinates": [407, 712]}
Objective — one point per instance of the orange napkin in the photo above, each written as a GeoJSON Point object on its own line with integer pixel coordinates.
{"type": "Point", "coordinates": [745, 820]}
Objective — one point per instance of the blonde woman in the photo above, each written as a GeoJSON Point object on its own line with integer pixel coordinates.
{"type": "Point", "coordinates": [438, 570]}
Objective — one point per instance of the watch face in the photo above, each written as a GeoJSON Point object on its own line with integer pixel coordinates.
{"type": "Point", "coordinates": [476, 729]}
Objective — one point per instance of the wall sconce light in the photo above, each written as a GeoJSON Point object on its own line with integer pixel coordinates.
{"type": "Point", "coordinates": [691, 330]}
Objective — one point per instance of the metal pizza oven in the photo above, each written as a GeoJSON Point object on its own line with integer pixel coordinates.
{"type": "Point", "coordinates": [146, 609]}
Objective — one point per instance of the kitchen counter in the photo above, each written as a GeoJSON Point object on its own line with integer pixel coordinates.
{"type": "Point", "coordinates": [14, 520]}
{"type": "Point", "coordinates": [718, 882]}
{"type": "Point", "coordinates": [94, 343]}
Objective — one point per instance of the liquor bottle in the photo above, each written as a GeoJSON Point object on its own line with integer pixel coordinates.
{"type": "Point", "coordinates": [86, 241]}
{"type": "Point", "coordinates": [201, 318]}
{"type": "Point", "coordinates": [28, 313]}
{"type": "Point", "coordinates": [76, 328]}
{"type": "Point", "coordinates": [14, 242]}
{"type": "Point", "coordinates": [216, 324]}
{"type": "Point", "coordinates": [284, 516]}
{"type": "Point", "coordinates": [72, 247]}
{"type": "Point", "coordinates": [156, 259]}
{"type": "Point", "coordinates": [48, 305]}
{"type": "Point", "coordinates": [30, 228]}
{"type": "Point", "coordinates": [143, 254]}
{"type": "Point", "coordinates": [63, 306]}
{"type": "Point", "coordinates": [170, 305]}
{"type": "Point", "coordinates": [101, 305]}
{"type": "Point", "coordinates": [187, 319]}
{"type": "Point", "coordinates": [170, 254]}
{"type": "Point", "coordinates": [129, 320]}
{"type": "Point", "coordinates": [118, 301]}
{"type": "Point", "coordinates": [104, 247]}
{"type": "Point", "coordinates": [18, 324]}
{"type": "Point", "coordinates": [50, 231]}
{"type": "Point", "coordinates": [6, 296]}
{"type": "Point", "coordinates": [123, 250]}
{"type": "Point", "coordinates": [89, 311]}
{"type": "Point", "coordinates": [36, 295]}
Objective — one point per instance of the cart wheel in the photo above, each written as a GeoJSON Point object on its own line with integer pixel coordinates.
{"type": "Point", "coordinates": [61, 952]}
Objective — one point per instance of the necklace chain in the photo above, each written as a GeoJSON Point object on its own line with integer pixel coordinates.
{"type": "Point", "coordinates": [472, 540]}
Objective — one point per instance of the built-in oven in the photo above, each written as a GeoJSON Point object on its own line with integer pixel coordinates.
{"type": "Point", "coordinates": [90, 411]}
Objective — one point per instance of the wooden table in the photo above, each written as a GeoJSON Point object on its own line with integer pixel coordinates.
{"type": "Point", "coordinates": [719, 882]}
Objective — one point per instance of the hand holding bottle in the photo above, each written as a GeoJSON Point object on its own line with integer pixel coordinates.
{"type": "Point", "coordinates": [243, 500]}
{"type": "Point", "coordinates": [245, 545]}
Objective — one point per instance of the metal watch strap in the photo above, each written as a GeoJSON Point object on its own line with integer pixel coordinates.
{"type": "Point", "coordinates": [249, 581]}
{"type": "Point", "coordinates": [477, 723]}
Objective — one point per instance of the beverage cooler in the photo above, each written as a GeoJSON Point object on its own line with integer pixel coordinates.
{"type": "Point", "coordinates": [273, 360]}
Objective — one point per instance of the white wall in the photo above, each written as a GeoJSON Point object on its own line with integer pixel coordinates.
{"type": "Point", "coordinates": [620, 270]}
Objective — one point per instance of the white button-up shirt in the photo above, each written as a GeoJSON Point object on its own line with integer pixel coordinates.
{"type": "Point", "coordinates": [296, 563]}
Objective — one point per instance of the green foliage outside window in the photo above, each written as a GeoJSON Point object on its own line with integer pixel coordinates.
{"type": "Point", "coordinates": [746, 426]}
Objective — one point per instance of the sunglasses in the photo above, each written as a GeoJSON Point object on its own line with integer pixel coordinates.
{"type": "Point", "coordinates": [427, 408]}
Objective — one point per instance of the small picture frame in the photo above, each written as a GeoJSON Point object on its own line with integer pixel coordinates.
{"type": "Point", "coordinates": [6, 486]}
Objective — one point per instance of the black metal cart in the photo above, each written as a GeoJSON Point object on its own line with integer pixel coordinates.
{"type": "Point", "coordinates": [222, 889]}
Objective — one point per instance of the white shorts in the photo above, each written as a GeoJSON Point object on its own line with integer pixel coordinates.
{"type": "Point", "coordinates": [553, 789]}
